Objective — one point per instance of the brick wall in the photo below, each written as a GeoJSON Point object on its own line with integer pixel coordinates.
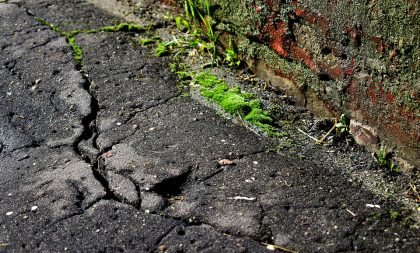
{"type": "Point", "coordinates": [357, 57]}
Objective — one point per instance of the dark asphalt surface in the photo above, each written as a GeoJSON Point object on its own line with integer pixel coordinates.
{"type": "Point", "coordinates": [110, 157]}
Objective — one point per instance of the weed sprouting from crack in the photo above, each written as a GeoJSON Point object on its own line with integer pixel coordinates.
{"type": "Point", "coordinates": [384, 159]}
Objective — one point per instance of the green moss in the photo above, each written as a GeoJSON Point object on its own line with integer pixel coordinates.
{"type": "Point", "coordinates": [78, 51]}
{"type": "Point", "coordinates": [149, 41]}
{"type": "Point", "coordinates": [257, 115]}
{"type": "Point", "coordinates": [235, 102]}
{"type": "Point", "coordinates": [286, 144]}
{"type": "Point", "coordinates": [208, 81]}
{"type": "Point", "coordinates": [162, 49]}
{"type": "Point", "coordinates": [123, 27]}
{"type": "Point", "coordinates": [46, 23]}
{"type": "Point", "coordinates": [395, 215]}
{"type": "Point", "coordinates": [230, 102]}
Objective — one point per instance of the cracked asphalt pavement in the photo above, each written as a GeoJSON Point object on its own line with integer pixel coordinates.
{"type": "Point", "coordinates": [110, 157]}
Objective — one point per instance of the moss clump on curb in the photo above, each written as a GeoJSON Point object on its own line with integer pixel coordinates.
{"type": "Point", "coordinates": [235, 102]}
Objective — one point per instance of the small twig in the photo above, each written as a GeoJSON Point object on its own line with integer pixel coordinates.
{"type": "Point", "coordinates": [3, 245]}
{"type": "Point", "coordinates": [176, 41]}
{"type": "Point", "coordinates": [276, 247]}
{"type": "Point", "coordinates": [313, 138]}
{"type": "Point", "coordinates": [287, 184]}
{"type": "Point", "coordinates": [354, 215]}
{"type": "Point", "coordinates": [325, 136]}
{"type": "Point", "coordinates": [416, 193]}
{"type": "Point", "coordinates": [206, 65]}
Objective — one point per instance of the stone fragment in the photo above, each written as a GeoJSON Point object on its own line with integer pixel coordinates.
{"type": "Point", "coordinates": [10, 137]}
{"type": "Point", "coordinates": [364, 135]}
{"type": "Point", "coordinates": [152, 202]}
{"type": "Point", "coordinates": [123, 188]}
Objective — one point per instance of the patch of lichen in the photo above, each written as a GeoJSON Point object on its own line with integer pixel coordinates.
{"type": "Point", "coordinates": [237, 16]}
{"type": "Point", "coordinates": [394, 23]}
{"type": "Point", "coordinates": [391, 24]}
{"type": "Point", "coordinates": [235, 102]}
{"type": "Point", "coordinates": [301, 74]}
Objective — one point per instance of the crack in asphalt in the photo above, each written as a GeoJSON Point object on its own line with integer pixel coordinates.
{"type": "Point", "coordinates": [162, 237]}
{"type": "Point", "coordinates": [138, 191]}
{"type": "Point", "coordinates": [51, 100]}
{"type": "Point", "coordinates": [99, 175]}
{"type": "Point", "coordinates": [131, 118]}
{"type": "Point", "coordinates": [88, 122]}
{"type": "Point", "coordinates": [33, 145]}
{"type": "Point", "coordinates": [197, 222]}
{"type": "Point", "coordinates": [168, 188]}
{"type": "Point", "coordinates": [217, 172]}
{"type": "Point", "coordinates": [89, 131]}
{"type": "Point", "coordinates": [160, 103]}
{"type": "Point", "coordinates": [267, 237]}
{"type": "Point", "coordinates": [80, 212]}
{"type": "Point", "coordinates": [49, 39]}
{"type": "Point", "coordinates": [222, 168]}
{"type": "Point", "coordinates": [172, 186]}
{"type": "Point", "coordinates": [246, 155]}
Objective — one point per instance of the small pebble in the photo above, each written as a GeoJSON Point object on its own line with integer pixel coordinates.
{"type": "Point", "coordinates": [271, 247]}
{"type": "Point", "coordinates": [119, 123]}
{"type": "Point", "coordinates": [373, 206]}
{"type": "Point", "coordinates": [9, 213]}
{"type": "Point", "coordinates": [162, 248]}
{"type": "Point", "coordinates": [34, 208]}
